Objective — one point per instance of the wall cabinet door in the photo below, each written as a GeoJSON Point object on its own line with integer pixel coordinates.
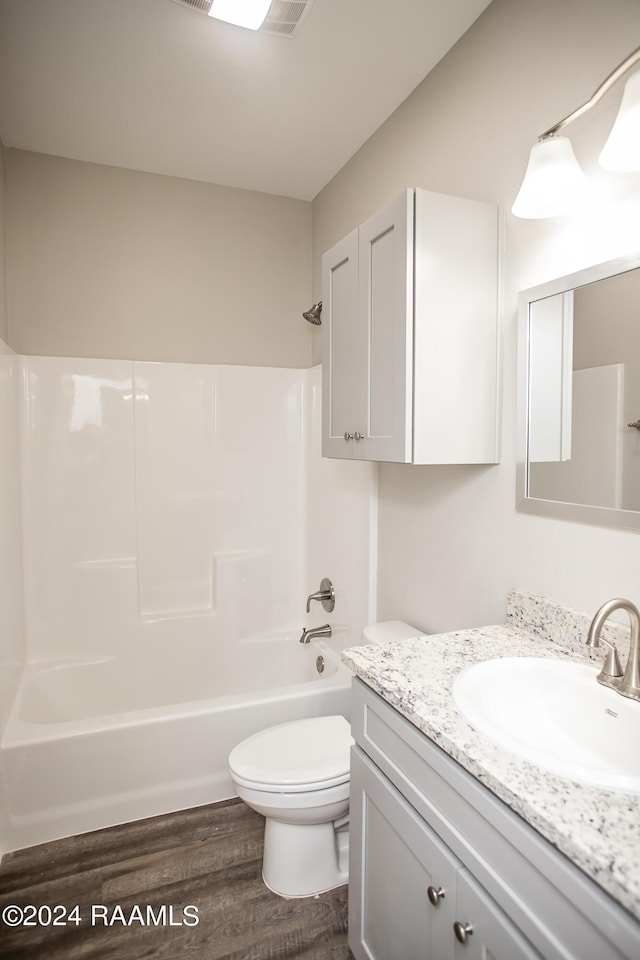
{"type": "Point", "coordinates": [385, 285]}
{"type": "Point", "coordinates": [550, 378]}
{"type": "Point", "coordinates": [367, 318]}
{"type": "Point", "coordinates": [343, 370]}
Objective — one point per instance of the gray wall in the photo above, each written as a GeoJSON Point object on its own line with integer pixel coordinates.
{"type": "Point", "coordinates": [113, 263]}
{"type": "Point", "coordinates": [3, 259]}
{"type": "Point", "coordinates": [450, 539]}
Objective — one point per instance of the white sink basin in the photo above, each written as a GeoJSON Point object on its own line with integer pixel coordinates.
{"type": "Point", "coordinates": [555, 714]}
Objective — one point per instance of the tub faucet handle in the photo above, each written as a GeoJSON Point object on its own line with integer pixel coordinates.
{"type": "Point", "coordinates": [325, 594]}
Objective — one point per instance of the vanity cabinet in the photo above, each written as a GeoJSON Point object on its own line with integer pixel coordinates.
{"type": "Point", "coordinates": [417, 900]}
{"type": "Point", "coordinates": [440, 869]}
{"type": "Point", "coordinates": [410, 334]}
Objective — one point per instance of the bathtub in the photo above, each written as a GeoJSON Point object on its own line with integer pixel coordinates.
{"type": "Point", "coordinates": [93, 743]}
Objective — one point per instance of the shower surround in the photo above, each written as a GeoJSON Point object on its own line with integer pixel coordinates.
{"type": "Point", "coordinates": [175, 517]}
{"type": "Point", "coordinates": [161, 497]}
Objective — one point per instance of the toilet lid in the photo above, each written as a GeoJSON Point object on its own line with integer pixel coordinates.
{"type": "Point", "coordinates": [290, 755]}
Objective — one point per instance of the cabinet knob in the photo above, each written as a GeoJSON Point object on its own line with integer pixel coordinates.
{"type": "Point", "coordinates": [462, 931]}
{"type": "Point", "coordinates": [435, 896]}
{"type": "Point", "coordinates": [348, 436]}
{"type": "Point", "coordinates": [358, 435]}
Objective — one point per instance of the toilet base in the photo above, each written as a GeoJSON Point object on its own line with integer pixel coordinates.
{"type": "Point", "coordinates": [303, 860]}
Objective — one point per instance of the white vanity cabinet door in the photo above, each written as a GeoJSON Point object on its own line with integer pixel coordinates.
{"type": "Point", "coordinates": [394, 859]}
{"type": "Point", "coordinates": [396, 862]}
{"type": "Point", "coordinates": [343, 369]}
{"type": "Point", "coordinates": [486, 932]}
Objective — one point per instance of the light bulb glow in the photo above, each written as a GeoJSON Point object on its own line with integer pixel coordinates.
{"type": "Point", "coordinates": [553, 182]}
{"type": "Point", "coordinates": [242, 13]}
{"type": "Point", "coordinates": [621, 152]}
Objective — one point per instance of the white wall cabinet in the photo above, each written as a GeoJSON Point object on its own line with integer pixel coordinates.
{"type": "Point", "coordinates": [410, 325]}
{"type": "Point", "coordinates": [440, 869]}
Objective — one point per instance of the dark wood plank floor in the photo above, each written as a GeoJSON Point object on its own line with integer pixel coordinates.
{"type": "Point", "coordinates": [208, 858]}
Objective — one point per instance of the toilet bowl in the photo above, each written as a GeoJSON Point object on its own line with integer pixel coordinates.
{"type": "Point", "coordinates": [297, 776]}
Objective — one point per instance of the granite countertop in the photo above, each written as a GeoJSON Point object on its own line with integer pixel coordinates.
{"type": "Point", "coordinates": [599, 830]}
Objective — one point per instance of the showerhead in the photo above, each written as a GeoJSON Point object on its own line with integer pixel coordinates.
{"type": "Point", "coordinates": [313, 315]}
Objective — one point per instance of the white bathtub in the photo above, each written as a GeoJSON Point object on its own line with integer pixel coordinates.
{"type": "Point", "coordinates": [92, 744]}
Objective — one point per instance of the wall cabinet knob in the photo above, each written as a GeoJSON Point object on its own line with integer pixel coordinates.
{"type": "Point", "coordinates": [435, 896]}
{"type": "Point", "coordinates": [462, 931]}
{"type": "Point", "coordinates": [348, 436]}
{"type": "Point", "coordinates": [358, 435]}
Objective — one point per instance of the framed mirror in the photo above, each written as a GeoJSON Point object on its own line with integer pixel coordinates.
{"type": "Point", "coordinates": [579, 396]}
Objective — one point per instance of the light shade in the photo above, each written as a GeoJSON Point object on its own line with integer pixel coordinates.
{"type": "Point", "coordinates": [553, 182]}
{"type": "Point", "coordinates": [621, 152]}
{"type": "Point", "coordinates": [242, 13]}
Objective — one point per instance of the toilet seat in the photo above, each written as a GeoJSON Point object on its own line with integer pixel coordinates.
{"type": "Point", "coordinates": [296, 757]}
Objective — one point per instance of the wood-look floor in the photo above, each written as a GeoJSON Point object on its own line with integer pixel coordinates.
{"type": "Point", "coordinates": [209, 857]}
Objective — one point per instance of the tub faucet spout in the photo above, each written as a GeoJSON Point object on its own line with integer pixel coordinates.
{"type": "Point", "coordinates": [628, 684]}
{"type": "Point", "coordinates": [311, 632]}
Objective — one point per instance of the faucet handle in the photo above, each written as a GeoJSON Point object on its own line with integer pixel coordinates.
{"type": "Point", "coordinates": [326, 594]}
{"type": "Point", "coordinates": [611, 666]}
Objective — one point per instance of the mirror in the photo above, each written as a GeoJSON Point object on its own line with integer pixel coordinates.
{"type": "Point", "coordinates": [579, 396]}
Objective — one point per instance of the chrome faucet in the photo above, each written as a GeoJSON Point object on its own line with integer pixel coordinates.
{"type": "Point", "coordinates": [628, 684]}
{"type": "Point", "coordinates": [325, 594]}
{"type": "Point", "coordinates": [308, 633]}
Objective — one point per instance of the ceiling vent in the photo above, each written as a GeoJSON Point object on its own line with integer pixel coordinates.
{"type": "Point", "coordinates": [204, 5]}
{"type": "Point", "coordinates": [283, 17]}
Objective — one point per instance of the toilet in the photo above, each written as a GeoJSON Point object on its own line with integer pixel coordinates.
{"type": "Point", "coordinates": [297, 776]}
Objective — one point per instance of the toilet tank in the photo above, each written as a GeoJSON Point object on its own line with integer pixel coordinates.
{"type": "Point", "coordinates": [389, 630]}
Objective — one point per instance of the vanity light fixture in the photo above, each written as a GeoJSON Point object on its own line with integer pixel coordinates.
{"type": "Point", "coordinates": [242, 13]}
{"type": "Point", "coordinates": [554, 181]}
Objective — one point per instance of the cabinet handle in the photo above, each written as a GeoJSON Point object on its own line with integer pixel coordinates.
{"type": "Point", "coordinates": [358, 435]}
{"type": "Point", "coordinates": [435, 896]}
{"type": "Point", "coordinates": [348, 436]}
{"type": "Point", "coordinates": [462, 931]}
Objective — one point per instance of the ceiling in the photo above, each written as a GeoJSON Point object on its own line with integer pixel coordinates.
{"type": "Point", "coordinates": [157, 86]}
